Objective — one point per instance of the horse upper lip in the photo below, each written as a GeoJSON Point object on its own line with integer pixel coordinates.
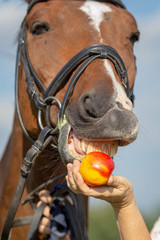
{"type": "Point", "coordinates": [116, 124]}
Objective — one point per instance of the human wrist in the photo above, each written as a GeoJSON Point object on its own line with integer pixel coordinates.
{"type": "Point", "coordinates": [130, 222]}
{"type": "Point", "coordinates": [125, 207]}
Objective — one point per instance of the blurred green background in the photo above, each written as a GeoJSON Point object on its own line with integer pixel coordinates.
{"type": "Point", "coordinates": [102, 222]}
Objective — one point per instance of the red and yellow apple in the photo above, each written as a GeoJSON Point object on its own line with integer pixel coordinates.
{"type": "Point", "coordinates": [96, 167]}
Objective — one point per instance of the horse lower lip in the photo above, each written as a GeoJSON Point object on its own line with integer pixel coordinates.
{"type": "Point", "coordinates": [74, 143]}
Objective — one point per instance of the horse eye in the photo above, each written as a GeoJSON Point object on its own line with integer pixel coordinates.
{"type": "Point", "coordinates": [134, 37]}
{"type": "Point", "coordinates": [39, 28]}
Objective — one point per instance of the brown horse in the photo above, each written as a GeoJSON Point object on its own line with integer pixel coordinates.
{"type": "Point", "coordinates": [96, 112]}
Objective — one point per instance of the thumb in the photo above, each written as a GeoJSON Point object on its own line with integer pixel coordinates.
{"type": "Point", "coordinates": [114, 181]}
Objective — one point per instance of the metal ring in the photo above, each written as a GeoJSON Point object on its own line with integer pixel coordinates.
{"type": "Point", "coordinates": [40, 119]}
{"type": "Point", "coordinates": [40, 113]}
{"type": "Point", "coordinates": [47, 99]}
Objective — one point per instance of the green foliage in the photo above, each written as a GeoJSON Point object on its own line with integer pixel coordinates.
{"type": "Point", "coordinates": [102, 222]}
{"type": "Point", "coordinates": [151, 218]}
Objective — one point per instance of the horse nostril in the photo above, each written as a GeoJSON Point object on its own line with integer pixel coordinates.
{"type": "Point", "coordinates": [89, 107]}
{"type": "Point", "coordinates": [94, 104]}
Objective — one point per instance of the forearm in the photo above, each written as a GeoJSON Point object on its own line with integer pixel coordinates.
{"type": "Point", "coordinates": [119, 193]}
{"type": "Point", "coordinates": [131, 224]}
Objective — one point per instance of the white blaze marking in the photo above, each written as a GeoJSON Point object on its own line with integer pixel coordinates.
{"type": "Point", "coordinates": [95, 11]}
{"type": "Point", "coordinates": [119, 90]}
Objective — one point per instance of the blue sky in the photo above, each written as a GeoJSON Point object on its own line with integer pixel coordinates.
{"type": "Point", "coordinates": [140, 8]}
{"type": "Point", "coordinates": [139, 162]}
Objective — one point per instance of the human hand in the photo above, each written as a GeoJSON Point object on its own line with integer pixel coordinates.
{"type": "Point", "coordinates": [118, 191]}
{"type": "Point", "coordinates": [44, 225]}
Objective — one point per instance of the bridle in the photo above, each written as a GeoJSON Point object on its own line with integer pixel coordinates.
{"type": "Point", "coordinates": [75, 67]}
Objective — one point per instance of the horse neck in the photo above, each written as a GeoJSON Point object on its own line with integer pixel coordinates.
{"type": "Point", "coordinates": [11, 161]}
{"type": "Point", "coordinates": [48, 165]}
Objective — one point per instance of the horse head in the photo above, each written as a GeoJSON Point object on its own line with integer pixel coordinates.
{"type": "Point", "coordinates": [95, 87]}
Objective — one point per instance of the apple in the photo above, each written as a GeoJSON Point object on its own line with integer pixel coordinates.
{"type": "Point", "coordinates": [96, 167]}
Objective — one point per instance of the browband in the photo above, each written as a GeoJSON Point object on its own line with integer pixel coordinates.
{"type": "Point", "coordinates": [117, 3]}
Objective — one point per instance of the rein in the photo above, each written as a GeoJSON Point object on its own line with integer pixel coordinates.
{"type": "Point", "coordinates": [75, 66]}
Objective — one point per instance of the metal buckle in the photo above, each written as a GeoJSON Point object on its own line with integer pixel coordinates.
{"type": "Point", "coordinates": [48, 99]}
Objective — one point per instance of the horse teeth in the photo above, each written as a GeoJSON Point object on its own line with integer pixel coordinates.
{"type": "Point", "coordinates": [114, 149]}
{"type": "Point", "coordinates": [98, 147]}
{"type": "Point", "coordinates": [108, 148]}
{"type": "Point", "coordinates": [90, 148]}
{"type": "Point", "coordinates": [83, 145]}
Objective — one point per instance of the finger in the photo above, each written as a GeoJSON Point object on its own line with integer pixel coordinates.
{"type": "Point", "coordinates": [110, 180]}
{"type": "Point", "coordinates": [76, 174]}
{"type": "Point", "coordinates": [47, 213]}
{"type": "Point", "coordinates": [44, 230]}
{"type": "Point", "coordinates": [71, 186]}
{"type": "Point", "coordinates": [75, 181]}
{"type": "Point", "coordinates": [70, 179]}
{"type": "Point", "coordinates": [69, 170]}
{"type": "Point", "coordinates": [45, 196]}
{"type": "Point", "coordinates": [44, 226]}
{"type": "Point", "coordinates": [76, 166]}
{"type": "Point", "coordinates": [117, 182]}
{"type": "Point", "coordinates": [45, 222]}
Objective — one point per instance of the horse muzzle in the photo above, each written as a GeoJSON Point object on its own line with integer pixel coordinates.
{"type": "Point", "coordinates": [118, 127]}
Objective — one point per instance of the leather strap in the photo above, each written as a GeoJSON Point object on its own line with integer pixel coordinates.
{"type": "Point", "coordinates": [21, 221]}
{"type": "Point", "coordinates": [43, 140]}
{"type": "Point", "coordinates": [115, 2]}
{"type": "Point", "coordinates": [84, 57]}
{"type": "Point", "coordinates": [35, 221]}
